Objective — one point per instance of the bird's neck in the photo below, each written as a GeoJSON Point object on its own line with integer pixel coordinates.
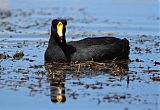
{"type": "Point", "coordinates": [54, 41]}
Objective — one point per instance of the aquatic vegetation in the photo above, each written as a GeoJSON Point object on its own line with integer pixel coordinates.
{"type": "Point", "coordinates": [18, 55]}
{"type": "Point", "coordinates": [126, 85]}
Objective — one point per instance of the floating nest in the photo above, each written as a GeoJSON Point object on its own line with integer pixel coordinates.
{"type": "Point", "coordinates": [89, 67]}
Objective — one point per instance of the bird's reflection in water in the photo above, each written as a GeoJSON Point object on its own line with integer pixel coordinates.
{"type": "Point", "coordinates": [56, 78]}
{"type": "Point", "coordinates": [57, 74]}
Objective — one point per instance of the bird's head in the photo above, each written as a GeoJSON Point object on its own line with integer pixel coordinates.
{"type": "Point", "coordinates": [58, 29]}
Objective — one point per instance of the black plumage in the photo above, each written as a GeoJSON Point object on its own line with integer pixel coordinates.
{"type": "Point", "coordinates": [96, 49]}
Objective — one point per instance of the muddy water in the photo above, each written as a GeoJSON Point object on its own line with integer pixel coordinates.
{"type": "Point", "coordinates": [27, 83]}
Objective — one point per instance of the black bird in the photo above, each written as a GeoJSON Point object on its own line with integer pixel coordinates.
{"type": "Point", "coordinates": [96, 49]}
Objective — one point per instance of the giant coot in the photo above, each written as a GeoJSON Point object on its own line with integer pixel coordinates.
{"type": "Point", "coordinates": [96, 49]}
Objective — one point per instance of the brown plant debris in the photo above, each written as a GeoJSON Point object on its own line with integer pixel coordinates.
{"type": "Point", "coordinates": [156, 78]}
{"type": "Point", "coordinates": [113, 67]}
{"type": "Point", "coordinates": [157, 63]}
{"type": "Point", "coordinates": [151, 71]}
{"type": "Point", "coordinates": [18, 55]}
{"type": "Point", "coordinates": [2, 56]}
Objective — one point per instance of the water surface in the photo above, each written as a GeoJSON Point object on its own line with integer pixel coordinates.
{"type": "Point", "coordinates": [28, 84]}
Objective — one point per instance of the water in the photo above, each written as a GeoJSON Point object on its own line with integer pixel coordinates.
{"type": "Point", "coordinates": [27, 84]}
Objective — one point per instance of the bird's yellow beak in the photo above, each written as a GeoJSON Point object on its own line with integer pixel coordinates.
{"type": "Point", "coordinates": [60, 30]}
{"type": "Point", "coordinates": [59, 98]}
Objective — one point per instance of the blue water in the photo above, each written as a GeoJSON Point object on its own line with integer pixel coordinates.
{"type": "Point", "coordinates": [30, 23]}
